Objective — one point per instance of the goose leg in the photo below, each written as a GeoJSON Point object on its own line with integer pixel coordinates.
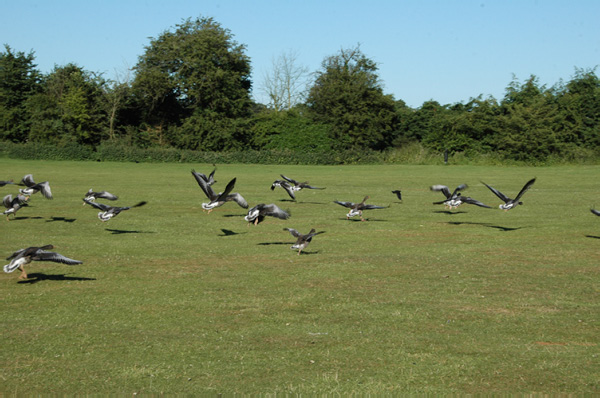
{"type": "Point", "coordinates": [23, 273]}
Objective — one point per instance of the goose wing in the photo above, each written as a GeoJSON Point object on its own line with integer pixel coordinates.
{"type": "Point", "coordinates": [345, 204]}
{"type": "Point", "coordinates": [524, 189]}
{"type": "Point", "coordinates": [42, 255]}
{"type": "Point", "coordinates": [44, 188]}
{"type": "Point", "coordinates": [239, 199]}
{"type": "Point", "coordinates": [305, 185]}
{"type": "Point", "coordinates": [288, 189]}
{"type": "Point", "coordinates": [28, 181]}
{"type": "Point", "coordinates": [459, 188]}
{"type": "Point", "coordinates": [499, 194]}
{"type": "Point", "coordinates": [289, 179]}
{"type": "Point", "coordinates": [474, 202]}
{"type": "Point", "coordinates": [3, 183]}
{"type": "Point", "coordinates": [294, 233]}
{"type": "Point", "coordinates": [596, 212]}
{"type": "Point", "coordinates": [106, 195]}
{"type": "Point", "coordinates": [201, 180]}
{"type": "Point", "coordinates": [371, 207]}
{"type": "Point", "coordinates": [223, 195]}
{"type": "Point", "coordinates": [100, 206]}
{"type": "Point", "coordinates": [7, 201]}
{"type": "Point", "coordinates": [274, 211]}
{"type": "Point", "coordinates": [444, 189]}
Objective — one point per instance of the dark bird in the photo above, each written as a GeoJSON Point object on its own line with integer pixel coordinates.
{"type": "Point", "coordinates": [451, 201]}
{"type": "Point", "coordinates": [22, 257]}
{"type": "Point", "coordinates": [210, 180]}
{"type": "Point", "coordinates": [285, 185]}
{"type": "Point", "coordinates": [219, 199]}
{"type": "Point", "coordinates": [508, 202]}
{"type": "Point", "coordinates": [32, 187]}
{"type": "Point", "coordinates": [297, 185]}
{"type": "Point", "coordinates": [258, 213]}
{"type": "Point", "coordinates": [356, 209]}
{"type": "Point", "coordinates": [303, 240]}
{"type": "Point", "coordinates": [91, 196]}
{"type": "Point", "coordinates": [109, 212]}
{"type": "Point", "coordinates": [398, 194]}
{"type": "Point", "coordinates": [13, 204]}
{"type": "Point", "coordinates": [3, 183]}
{"type": "Point", "coordinates": [596, 212]}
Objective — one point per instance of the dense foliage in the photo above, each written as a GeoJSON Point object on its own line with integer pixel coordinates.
{"type": "Point", "coordinates": [192, 87]}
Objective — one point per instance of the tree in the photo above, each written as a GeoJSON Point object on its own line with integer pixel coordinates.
{"type": "Point", "coordinates": [19, 80]}
{"type": "Point", "coordinates": [285, 84]}
{"type": "Point", "coordinates": [348, 96]}
{"type": "Point", "coordinates": [197, 70]}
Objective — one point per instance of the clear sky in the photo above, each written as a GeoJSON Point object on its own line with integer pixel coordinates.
{"type": "Point", "coordinates": [445, 50]}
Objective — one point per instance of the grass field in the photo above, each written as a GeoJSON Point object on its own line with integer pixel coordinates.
{"type": "Point", "coordinates": [416, 299]}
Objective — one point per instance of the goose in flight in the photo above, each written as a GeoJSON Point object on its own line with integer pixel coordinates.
{"type": "Point", "coordinates": [109, 212]}
{"type": "Point", "coordinates": [302, 240]}
{"type": "Point", "coordinates": [32, 187]}
{"type": "Point", "coordinates": [298, 185]}
{"type": "Point", "coordinates": [13, 204]}
{"type": "Point", "coordinates": [459, 200]}
{"type": "Point", "coordinates": [285, 185]}
{"type": "Point", "coordinates": [356, 209]}
{"type": "Point", "coordinates": [91, 196]}
{"type": "Point", "coordinates": [451, 197]}
{"type": "Point", "coordinates": [217, 200]}
{"type": "Point", "coordinates": [508, 202]}
{"type": "Point", "coordinates": [22, 257]}
{"type": "Point", "coordinates": [258, 213]}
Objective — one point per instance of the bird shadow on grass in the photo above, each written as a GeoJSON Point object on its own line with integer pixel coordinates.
{"type": "Point", "coordinates": [593, 236]}
{"type": "Point", "coordinates": [366, 220]}
{"type": "Point", "coordinates": [125, 231]}
{"type": "Point", "coordinates": [228, 232]}
{"type": "Point", "coordinates": [25, 218]}
{"type": "Point", "coordinates": [38, 277]}
{"type": "Point", "coordinates": [274, 243]}
{"type": "Point", "coordinates": [64, 219]}
{"type": "Point", "coordinates": [449, 212]}
{"type": "Point", "coordinates": [484, 224]}
{"type": "Point", "coordinates": [234, 215]}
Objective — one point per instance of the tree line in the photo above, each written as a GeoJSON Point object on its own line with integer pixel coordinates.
{"type": "Point", "coordinates": [191, 89]}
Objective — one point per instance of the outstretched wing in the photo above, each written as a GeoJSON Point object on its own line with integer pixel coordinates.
{"type": "Point", "coordinates": [596, 212]}
{"type": "Point", "coordinates": [239, 199]}
{"type": "Point", "coordinates": [44, 188]}
{"type": "Point", "coordinates": [444, 189]}
{"type": "Point", "coordinates": [28, 181]}
{"type": "Point", "coordinates": [106, 195]}
{"type": "Point", "coordinates": [475, 202]}
{"type": "Point", "coordinates": [42, 255]}
{"type": "Point", "coordinates": [459, 188]}
{"type": "Point", "coordinates": [289, 179]}
{"type": "Point", "coordinates": [345, 204]}
{"type": "Point", "coordinates": [371, 207]}
{"type": "Point", "coordinates": [294, 233]}
{"type": "Point", "coordinates": [311, 187]}
{"type": "Point", "coordinates": [201, 180]}
{"type": "Point", "coordinates": [223, 195]}
{"type": "Point", "coordinates": [497, 193]}
{"type": "Point", "coordinates": [524, 189]}
{"type": "Point", "coordinates": [100, 206]}
{"type": "Point", "coordinates": [274, 211]}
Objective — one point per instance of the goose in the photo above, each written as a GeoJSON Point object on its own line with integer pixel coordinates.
{"type": "Point", "coordinates": [596, 212]}
{"type": "Point", "coordinates": [356, 209]}
{"type": "Point", "coordinates": [109, 212]}
{"type": "Point", "coordinates": [3, 183]}
{"type": "Point", "coordinates": [23, 257]}
{"type": "Point", "coordinates": [258, 213]}
{"type": "Point", "coordinates": [298, 185]}
{"type": "Point", "coordinates": [303, 240]}
{"type": "Point", "coordinates": [32, 187]}
{"type": "Point", "coordinates": [217, 200]}
{"type": "Point", "coordinates": [459, 200]}
{"type": "Point", "coordinates": [398, 193]}
{"type": "Point", "coordinates": [285, 185]}
{"type": "Point", "coordinates": [13, 205]}
{"type": "Point", "coordinates": [508, 202]}
{"type": "Point", "coordinates": [91, 196]}
{"type": "Point", "coordinates": [451, 197]}
{"type": "Point", "coordinates": [210, 180]}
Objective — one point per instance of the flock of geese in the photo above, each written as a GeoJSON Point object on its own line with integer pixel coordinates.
{"type": "Point", "coordinates": [255, 215]}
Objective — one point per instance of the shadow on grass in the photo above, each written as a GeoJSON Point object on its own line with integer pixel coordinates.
{"type": "Point", "coordinates": [593, 236]}
{"type": "Point", "coordinates": [64, 219]}
{"type": "Point", "coordinates": [26, 218]}
{"type": "Point", "coordinates": [228, 232]}
{"type": "Point", "coordinates": [125, 231]}
{"type": "Point", "coordinates": [366, 220]}
{"type": "Point", "coordinates": [275, 243]}
{"type": "Point", "coordinates": [38, 277]}
{"type": "Point", "coordinates": [449, 212]}
{"type": "Point", "coordinates": [484, 224]}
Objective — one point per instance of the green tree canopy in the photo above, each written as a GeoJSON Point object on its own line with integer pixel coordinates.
{"type": "Point", "coordinates": [348, 96]}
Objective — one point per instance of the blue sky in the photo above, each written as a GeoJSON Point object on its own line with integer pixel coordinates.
{"type": "Point", "coordinates": [448, 51]}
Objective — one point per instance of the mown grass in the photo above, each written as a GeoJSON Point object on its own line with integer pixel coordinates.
{"type": "Point", "coordinates": [170, 299]}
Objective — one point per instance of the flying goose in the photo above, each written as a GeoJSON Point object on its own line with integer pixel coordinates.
{"type": "Point", "coordinates": [459, 200]}
{"type": "Point", "coordinates": [285, 185]}
{"type": "Point", "coordinates": [217, 200]}
{"type": "Point", "coordinates": [508, 202]}
{"type": "Point", "coordinates": [210, 180]}
{"type": "Point", "coordinates": [451, 197]}
{"type": "Point", "coordinates": [3, 183]}
{"type": "Point", "coordinates": [91, 196]}
{"type": "Point", "coordinates": [13, 205]}
{"type": "Point", "coordinates": [356, 209]}
{"type": "Point", "coordinates": [303, 240]}
{"type": "Point", "coordinates": [258, 213]}
{"type": "Point", "coordinates": [109, 212]}
{"type": "Point", "coordinates": [32, 187]}
{"type": "Point", "coordinates": [23, 257]}
{"type": "Point", "coordinates": [298, 185]}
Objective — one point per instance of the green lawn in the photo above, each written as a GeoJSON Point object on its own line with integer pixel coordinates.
{"type": "Point", "coordinates": [416, 299]}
